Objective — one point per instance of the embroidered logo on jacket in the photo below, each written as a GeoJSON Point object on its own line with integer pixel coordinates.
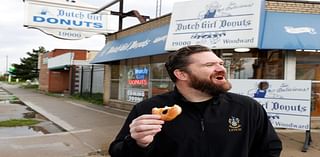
{"type": "Point", "coordinates": [234, 124]}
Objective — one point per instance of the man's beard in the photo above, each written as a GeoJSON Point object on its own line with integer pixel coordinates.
{"type": "Point", "coordinates": [207, 86]}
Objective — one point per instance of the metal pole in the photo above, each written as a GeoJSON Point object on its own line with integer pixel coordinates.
{"type": "Point", "coordinates": [81, 79]}
{"type": "Point", "coordinates": [6, 63]}
{"type": "Point", "coordinates": [160, 8]}
{"type": "Point", "coordinates": [72, 78]}
{"type": "Point", "coordinates": [91, 81]}
{"type": "Point", "coordinates": [121, 14]}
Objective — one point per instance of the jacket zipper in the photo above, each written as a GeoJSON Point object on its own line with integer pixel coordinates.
{"type": "Point", "coordinates": [202, 124]}
{"type": "Point", "coordinates": [203, 152]}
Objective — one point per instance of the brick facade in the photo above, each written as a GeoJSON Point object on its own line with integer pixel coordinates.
{"type": "Point", "coordinates": [293, 6]}
{"type": "Point", "coordinates": [58, 81]}
{"type": "Point", "coordinates": [43, 73]}
{"type": "Point", "coordinates": [78, 54]}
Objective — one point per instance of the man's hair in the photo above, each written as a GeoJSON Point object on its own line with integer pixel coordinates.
{"type": "Point", "coordinates": [180, 59]}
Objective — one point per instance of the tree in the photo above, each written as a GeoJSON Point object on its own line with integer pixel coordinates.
{"type": "Point", "coordinates": [28, 68]}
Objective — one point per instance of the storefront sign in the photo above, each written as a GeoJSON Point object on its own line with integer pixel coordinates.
{"type": "Point", "coordinates": [138, 82]}
{"type": "Point", "coordinates": [135, 95]}
{"type": "Point", "coordinates": [61, 61]}
{"type": "Point", "coordinates": [217, 24]}
{"type": "Point", "coordinates": [141, 73]}
{"type": "Point", "coordinates": [64, 20]}
{"type": "Point", "coordinates": [150, 42]}
{"type": "Point", "coordinates": [138, 76]}
{"type": "Point", "coordinates": [287, 102]}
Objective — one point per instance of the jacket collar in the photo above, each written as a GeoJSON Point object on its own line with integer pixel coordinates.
{"type": "Point", "coordinates": [180, 98]}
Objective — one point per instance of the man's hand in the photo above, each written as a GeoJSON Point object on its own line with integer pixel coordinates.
{"type": "Point", "coordinates": [144, 128]}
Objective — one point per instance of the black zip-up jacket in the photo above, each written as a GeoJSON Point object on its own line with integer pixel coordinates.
{"type": "Point", "coordinates": [231, 126]}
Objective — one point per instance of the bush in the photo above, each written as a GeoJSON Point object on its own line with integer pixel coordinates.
{"type": "Point", "coordinates": [94, 98]}
{"type": "Point", "coordinates": [30, 86]}
{"type": "Point", "coordinates": [3, 78]}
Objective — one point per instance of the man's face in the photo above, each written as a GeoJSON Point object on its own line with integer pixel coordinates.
{"type": "Point", "coordinates": [207, 74]}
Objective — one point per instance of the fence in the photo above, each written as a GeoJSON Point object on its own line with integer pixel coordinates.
{"type": "Point", "coordinates": [89, 79]}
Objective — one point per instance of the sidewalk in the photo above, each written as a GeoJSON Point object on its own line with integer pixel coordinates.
{"type": "Point", "coordinates": [91, 128]}
{"type": "Point", "coordinates": [293, 141]}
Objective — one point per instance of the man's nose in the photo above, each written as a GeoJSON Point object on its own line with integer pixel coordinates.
{"type": "Point", "coordinates": [220, 68]}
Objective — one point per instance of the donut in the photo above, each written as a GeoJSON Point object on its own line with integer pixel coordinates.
{"type": "Point", "coordinates": [167, 113]}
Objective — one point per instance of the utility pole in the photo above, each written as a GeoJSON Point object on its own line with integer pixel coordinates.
{"type": "Point", "coordinates": [158, 8]}
{"type": "Point", "coordinates": [6, 63]}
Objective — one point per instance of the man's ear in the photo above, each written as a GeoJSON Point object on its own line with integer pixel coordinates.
{"type": "Point", "coordinates": [181, 75]}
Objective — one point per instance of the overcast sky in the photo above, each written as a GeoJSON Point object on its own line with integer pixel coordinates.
{"type": "Point", "coordinates": [16, 40]}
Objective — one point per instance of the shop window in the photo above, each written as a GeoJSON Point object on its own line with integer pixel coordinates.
{"type": "Point", "coordinates": [160, 80]}
{"type": "Point", "coordinates": [308, 68]}
{"type": "Point", "coordinates": [114, 94]}
{"type": "Point", "coordinates": [115, 76]}
{"type": "Point", "coordinates": [138, 76]}
{"type": "Point", "coordinates": [254, 65]}
{"type": "Point", "coordinates": [115, 70]}
{"type": "Point", "coordinates": [270, 65]}
{"type": "Point", "coordinates": [137, 73]}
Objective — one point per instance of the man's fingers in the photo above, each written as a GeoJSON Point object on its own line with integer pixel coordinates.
{"type": "Point", "coordinates": [143, 134]}
{"type": "Point", "coordinates": [148, 122]}
{"type": "Point", "coordinates": [147, 119]}
{"type": "Point", "coordinates": [142, 128]}
{"type": "Point", "coordinates": [148, 116]}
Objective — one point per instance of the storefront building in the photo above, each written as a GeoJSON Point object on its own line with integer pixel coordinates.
{"type": "Point", "coordinates": [134, 58]}
{"type": "Point", "coordinates": [59, 69]}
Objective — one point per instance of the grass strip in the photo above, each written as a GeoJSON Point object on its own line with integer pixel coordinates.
{"type": "Point", "coordinates": [18, 122]}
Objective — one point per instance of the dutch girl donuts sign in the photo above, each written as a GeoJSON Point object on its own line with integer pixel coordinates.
{"type": "Point", "coordinates": [287, 102]}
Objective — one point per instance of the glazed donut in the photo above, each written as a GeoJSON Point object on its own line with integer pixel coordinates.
{"type": "Point", "coordinates": [167, 113]}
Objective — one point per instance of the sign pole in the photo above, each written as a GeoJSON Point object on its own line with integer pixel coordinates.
{"type": "Point", "coordinates": [307, 140]}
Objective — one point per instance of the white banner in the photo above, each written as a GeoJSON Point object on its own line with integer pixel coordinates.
{"type": "Point", "coordinates": [61, 61]}
{"type": "Point", "coordinates": [219, 24]}
{"type": "Point", "coordinates": [65, 20]}
{"type": "Point", "coordinates": [287, 102]}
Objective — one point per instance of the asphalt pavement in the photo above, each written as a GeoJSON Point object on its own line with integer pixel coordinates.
{"type": "Point", "coordinates": [89, 129]}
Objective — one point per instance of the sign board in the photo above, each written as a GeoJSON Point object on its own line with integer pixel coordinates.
{"type": "Point", "coordinates": [219, 24]}
{"type": "Point", "coordinates": [61, 61]}
{"type": "Point", "coordinates": [287, 102]}
{"type": "Point", "coordinates": [65, 20]}
{"type": "Point", "coordinates": [147, 43]}
{"type": "Point", "coordinates": [135, 95]}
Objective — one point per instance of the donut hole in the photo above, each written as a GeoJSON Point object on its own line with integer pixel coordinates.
{"type": "Point", "coordinates": [165, 111]}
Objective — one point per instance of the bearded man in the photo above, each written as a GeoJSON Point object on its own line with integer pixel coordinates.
{"type": "Point", "coordinates": [213, 122]}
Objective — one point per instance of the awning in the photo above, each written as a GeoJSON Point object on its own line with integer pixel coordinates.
{"type": "Point", "coordinates": [147, 43]}
{"type": "Point", "coordinates": [291, 31]}
{"type": "Point", "coordinates": [61, 61]}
